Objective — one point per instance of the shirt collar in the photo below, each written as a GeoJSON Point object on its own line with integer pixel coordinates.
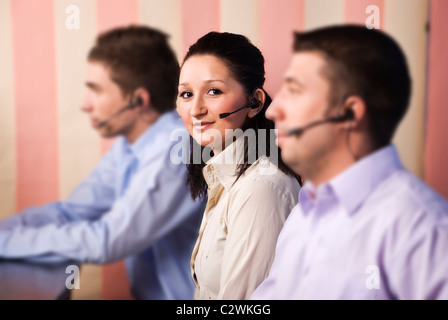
{"type": "Point", "coordinates": [225, 164]}
{"type": "Point", "coordinates": [140, 147]}
{"type": "Point", "coordinates": [306, 197]}
{"type": "Point", "coordinates": [355, 184]}
{"type": "Point", "coordinates": [309, 195]}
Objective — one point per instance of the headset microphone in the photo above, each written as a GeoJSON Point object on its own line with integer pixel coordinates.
{"type": "Point", "coordinates": [349, 115]}
{"type": "Point", "coordinates": [253, 104]}
{"type": "Point", "coordinates": [132, 105]}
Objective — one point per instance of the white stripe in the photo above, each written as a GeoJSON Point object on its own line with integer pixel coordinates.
{"type": "Point", "coordinates": [242, 17]}
{"type": "Point", "coordinates": [7, 116]}
{"type": "Point", "coordinates": [79, 144]}
{"type": "Point", "coordinates": [405, 20]}
{"type": "Point", "coordinates": [166, 16]}
{"type": "Point", "coordinates": [320, 13]}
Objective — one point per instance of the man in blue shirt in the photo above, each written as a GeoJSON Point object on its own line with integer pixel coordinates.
{"type": "Point", "coordinates": [135, 204]}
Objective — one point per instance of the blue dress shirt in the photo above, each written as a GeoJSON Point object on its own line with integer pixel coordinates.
{"type": "Point", "coordinates": [134, 205]}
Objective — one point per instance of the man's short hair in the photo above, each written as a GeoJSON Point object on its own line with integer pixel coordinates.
{"type": "Point", "coordinates": [140, 56]}
{"type": "Point", "coordinates": [366, 63]}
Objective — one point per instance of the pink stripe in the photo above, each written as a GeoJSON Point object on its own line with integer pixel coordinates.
{"type": "Point", "coordinates": [198, 18]}
{"type": "Point", "coordinates": [277, 24]}
{"type": "Point", "coordinates": [112, 14]}
{"type": "Point", "coordinates": [36, 102]}
{"type": "Point", "coordinates": [355, 11]}
{"type": "Point", "coordinates": [436, 153]}
{"type": "Point", "coordinates": [115, 13]}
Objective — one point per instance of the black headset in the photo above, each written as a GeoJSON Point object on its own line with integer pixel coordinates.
{"type": "Point", "coordinates": [131, 105]}
{"type": "Point", "coordinates": [253, 104]}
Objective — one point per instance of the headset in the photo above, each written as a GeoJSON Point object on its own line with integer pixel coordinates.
{"type": "Point", "coordinates": [348, 115]}
{"type": "Point", "coordinates": [254, 103]}
{"type": "Point", "coordinates": [131, 105]}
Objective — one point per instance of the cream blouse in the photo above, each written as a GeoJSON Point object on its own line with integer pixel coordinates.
{"type": "Point", "coordinates": [240, 226]}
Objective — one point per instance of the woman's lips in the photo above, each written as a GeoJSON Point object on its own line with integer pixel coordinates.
{"type": "Point", "coordinates": [202, 125]}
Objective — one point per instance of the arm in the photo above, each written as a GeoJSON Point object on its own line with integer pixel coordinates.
{"type": "Point", "coordinates": [90, 199]}
{"type": "Point", "coordinates": [256, 217]}
{"type": "Point", "coordinates": [155, 202]}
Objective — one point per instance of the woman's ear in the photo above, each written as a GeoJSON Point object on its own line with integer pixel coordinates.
{"type": "Point", "coordinates": [259, 97]}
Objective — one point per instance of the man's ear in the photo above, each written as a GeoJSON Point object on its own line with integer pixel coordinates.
{"type": "Point", "coordinates": [355, 111]}
{"type": "Point", "coordinates": [143, 94]}
{"type": "Point", "coordinates": [259, 97]}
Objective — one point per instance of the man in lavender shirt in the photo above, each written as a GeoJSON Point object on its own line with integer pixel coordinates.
{"type": "Point", "coordinates": [365, 227]}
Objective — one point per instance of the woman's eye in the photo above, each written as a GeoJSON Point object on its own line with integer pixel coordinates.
{"type": "Point", "coordinates": [185, 94]}
{"type": "Point", "coordinates": [214, 92]}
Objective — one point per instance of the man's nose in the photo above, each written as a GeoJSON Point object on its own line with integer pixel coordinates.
{"type": "Point", "coordinates": [274, 111]}
{"type": "Point", "coordinates": [86, 104]}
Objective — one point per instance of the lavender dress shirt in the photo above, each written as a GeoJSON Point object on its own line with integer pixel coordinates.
{"type": "Point", "coordinates": [373, 232]}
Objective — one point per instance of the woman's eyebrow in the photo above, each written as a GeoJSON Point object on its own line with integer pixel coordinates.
{"type": "Point", "coordinates": [205, 81]}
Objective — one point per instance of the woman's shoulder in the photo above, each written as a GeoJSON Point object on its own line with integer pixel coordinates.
{"type": "Point", "coordinates": [264, 188]}
{"type": "Point", "coordinates": [264, 173]}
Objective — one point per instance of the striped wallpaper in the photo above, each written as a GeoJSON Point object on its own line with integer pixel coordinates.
{"type": "Point", "coordinates": [47, 146]}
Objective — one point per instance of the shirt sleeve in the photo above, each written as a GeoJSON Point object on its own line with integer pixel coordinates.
{"type": "Point", "coordinates": [155, 202]}
{"type": "Point", "coordinates": [266, 290]}
{"type": "Point", "coordinates": [88, 201]}
{"type": "Point", "coordinates": [256, 215]}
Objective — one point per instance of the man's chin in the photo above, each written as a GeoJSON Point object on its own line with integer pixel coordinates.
{"type": "Point", "coordinates": [290, 160]}
{"type": "Point", "coordinates": [107, 135]}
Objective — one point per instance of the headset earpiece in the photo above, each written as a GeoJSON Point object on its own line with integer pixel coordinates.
{"type": "Point", "coordinates": [349, 114]}
{"type": "Point", "coordinates": [139, 101]}
{"type": "Point", "coordinates": [255, 103]}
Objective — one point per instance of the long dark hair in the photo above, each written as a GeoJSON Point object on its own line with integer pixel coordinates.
{"type": "Point", "coordinates": [246, 64]}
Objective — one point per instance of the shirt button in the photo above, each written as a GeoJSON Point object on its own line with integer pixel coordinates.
{"type": "Point", "coordinates": [212, 167]}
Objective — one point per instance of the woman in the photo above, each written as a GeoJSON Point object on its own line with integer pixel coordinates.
{"type": "Point", "coordinates": [220, 92]}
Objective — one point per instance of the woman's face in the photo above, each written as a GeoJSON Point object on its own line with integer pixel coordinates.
{"type": "Point", "coordinates": [207, 89]}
